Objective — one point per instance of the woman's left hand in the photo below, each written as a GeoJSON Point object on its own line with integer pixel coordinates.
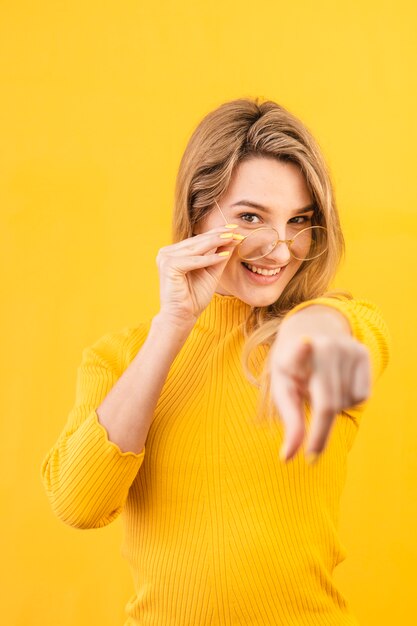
{"type": "Point", "coordinates": [315, 358]}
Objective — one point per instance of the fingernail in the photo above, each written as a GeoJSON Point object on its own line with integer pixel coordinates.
{"type": "Point", "coordinates": [225, 253]}
{"type": "Point", "coordinates": [306, 339]}
{"type": "Point", "coordinates": [311, 457]}
{"type": "Point", "coordinates": [239, 237]}
{"type": "Point", "coordinates": [231, 226]}
{"type": "Point", "coordinates": [226, 235]}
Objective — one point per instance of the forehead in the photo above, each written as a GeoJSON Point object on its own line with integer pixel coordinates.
{"type": "Point", "coordinates": [270, 181]}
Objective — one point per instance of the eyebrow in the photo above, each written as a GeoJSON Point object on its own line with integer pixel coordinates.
{"type": "Point", "coordinates": [255, 205]}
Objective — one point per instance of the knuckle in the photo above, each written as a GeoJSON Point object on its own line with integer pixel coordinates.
{"type": "Point", "coordinates": [329, 409]}
{"type": "Point", "coordinates": [360, 399]}
{"type": "Point", "coordinates": [329, 342]}
{"type": "Point", "coordinates": [361, 395]}
{"type": "Point", "coordinates": [163, 264]}
{"type": "Point", "coordinates": [327, 348]}
{"type": "Point", "coordinates": [363, 351]}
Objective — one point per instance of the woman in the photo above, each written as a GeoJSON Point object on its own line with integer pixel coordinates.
{"type": "Point", "coordinates": [170, 425]}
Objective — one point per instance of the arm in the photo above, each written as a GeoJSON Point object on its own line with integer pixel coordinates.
{"type": "Point", "coordinates": [88, 472]}
{"type": "Point", "coordinates": [127, 411]}
{"type": "Point", "coordinates": [366, 325]}
{"type": "Point", "coordinates": [348, 346]}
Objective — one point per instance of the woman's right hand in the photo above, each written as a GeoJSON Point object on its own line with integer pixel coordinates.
{"type": "Point", "coordinates": [189, 272]}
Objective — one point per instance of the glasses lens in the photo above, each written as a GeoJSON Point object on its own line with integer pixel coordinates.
{"type": "Point", "coordinates": [258, 244]}
{"type": "Point", "coordinates": [307, 244]}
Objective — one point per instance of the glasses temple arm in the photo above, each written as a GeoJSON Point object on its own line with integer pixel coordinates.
{"type": "Point", "coordinates": [225, 220]}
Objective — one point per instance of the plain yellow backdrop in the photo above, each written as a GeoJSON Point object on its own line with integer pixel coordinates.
{"type": "Point", "coordinates": [98, 100]}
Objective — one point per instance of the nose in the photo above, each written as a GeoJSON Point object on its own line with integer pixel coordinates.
{"type": "Point", "coordinates": [280, 255]}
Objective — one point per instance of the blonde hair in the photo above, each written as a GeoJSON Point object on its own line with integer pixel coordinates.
{"type": "Point", "coordinates": [242, 129]}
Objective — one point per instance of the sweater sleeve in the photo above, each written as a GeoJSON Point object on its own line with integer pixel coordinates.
{"type": "Point", "coordinates": [86, 476]}
{"type": "Point", "coordinates": [367, 326]}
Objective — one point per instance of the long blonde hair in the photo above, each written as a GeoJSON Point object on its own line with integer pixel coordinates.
{"type": "Point", "coordinates": [246, 128]}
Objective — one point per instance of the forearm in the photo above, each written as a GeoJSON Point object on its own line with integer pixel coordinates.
{"type": "Point", "coordinates": [317, 318]}
{"type": "Point", "coordinates": [127, 411]}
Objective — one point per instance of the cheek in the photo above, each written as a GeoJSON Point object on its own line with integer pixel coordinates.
{"type": "Point", "coordinates": [236, 262]}
{"type": "Point", "coordinates": [234, 266]}
{"type": "Point", "coordinates": [293, 269]}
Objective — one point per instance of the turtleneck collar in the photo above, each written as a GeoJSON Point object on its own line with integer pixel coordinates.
{"type": "Point", "coordinates": [224, 313]}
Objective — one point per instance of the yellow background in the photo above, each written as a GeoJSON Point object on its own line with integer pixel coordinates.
{"type": "Point", "coordinates": [98, 101]}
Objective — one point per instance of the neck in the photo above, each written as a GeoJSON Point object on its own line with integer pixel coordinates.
{"type": "Point", "coordinates": [224, 313]}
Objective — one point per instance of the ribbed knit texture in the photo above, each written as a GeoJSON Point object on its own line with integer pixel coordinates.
{"type": "Point", "coordinates": [217, 530]}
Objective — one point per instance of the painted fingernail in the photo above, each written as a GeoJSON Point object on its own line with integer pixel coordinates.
{"type": "Point", "coordinates": [231, 226]}
{"type": "Point", "coordinates": [238, 237]}
{"type": "Point", "coordinates": [311, 457]}
{"type": "Point", "coordinates": [226, 235]}
{"type": "Point", "coordinates": [306, 339]}
{"type": "Point", "coordinates": [225, 253]}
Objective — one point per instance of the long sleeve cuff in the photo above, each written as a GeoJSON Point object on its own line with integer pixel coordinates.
{"type": "Point", "coordinates": [87, 477]}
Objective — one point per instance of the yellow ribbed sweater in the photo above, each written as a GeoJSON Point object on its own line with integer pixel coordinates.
{"type": "Point", "coordinates": [217, 530]}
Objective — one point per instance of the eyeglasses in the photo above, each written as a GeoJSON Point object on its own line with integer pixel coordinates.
{"type": "Point", "coordinates": [305, 244]}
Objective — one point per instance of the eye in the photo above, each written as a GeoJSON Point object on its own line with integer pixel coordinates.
{"type": "Point", "coordinates": [242, 215]}
{"type": "Point", "coordinates": [304, 219]}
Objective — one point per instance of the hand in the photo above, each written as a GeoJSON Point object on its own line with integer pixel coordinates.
{"type": "Point", "coordinates": [329, 369]}
{"type": "Point", "coordinates": [189, 272]}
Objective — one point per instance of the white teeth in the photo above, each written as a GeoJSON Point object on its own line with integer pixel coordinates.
{"type": "Point", "coordinates": [257, 270]}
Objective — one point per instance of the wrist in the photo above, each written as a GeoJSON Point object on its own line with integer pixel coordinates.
{"type": "Point", "coordinates": [166, 323]}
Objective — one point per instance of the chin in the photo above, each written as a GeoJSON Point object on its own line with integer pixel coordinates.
{"type": "Point", "coordinates": [254, 299]}
{"type": "Point", "coordinates": [261, 300]}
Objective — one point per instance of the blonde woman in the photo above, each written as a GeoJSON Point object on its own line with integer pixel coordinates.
{"type": "Point", "coordinates": [179, 422]}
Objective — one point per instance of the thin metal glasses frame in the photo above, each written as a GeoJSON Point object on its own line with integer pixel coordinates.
{"type": "Point", "coordinates": [288, 242]}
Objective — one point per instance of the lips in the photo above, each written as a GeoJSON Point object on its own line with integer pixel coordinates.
{"type": "Point", "coordinates": [252, 267]}
{"type": "Point", "coordinates": [259, 279]}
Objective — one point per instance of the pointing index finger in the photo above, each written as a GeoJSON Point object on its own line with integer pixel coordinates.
{"type": "Point", "coordinates": [324, 402]}
{"type": "Point", "coordinates": [290, 393]}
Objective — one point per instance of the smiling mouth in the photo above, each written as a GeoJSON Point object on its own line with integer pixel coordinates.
{"type": "Point", "coordinates": [263, 271]}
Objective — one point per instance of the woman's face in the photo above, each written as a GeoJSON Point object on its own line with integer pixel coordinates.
{"type": "Point", "coordinates": [280, 190]}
